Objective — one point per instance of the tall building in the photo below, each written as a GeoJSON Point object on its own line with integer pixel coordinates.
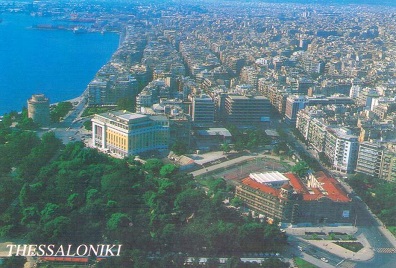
{"type": "Point", "coordinates": [38, 109]}
{"type": "Point", "coordinates": [125, 134]}
{"type": "Point", "coordinates": [317, 134]}
{"type": "Point", "coordinates": [202, 110]}
{"type": "Point", "coordinates": [341, 148]}
{"type": "Point", "coordinates": [109, 92]}
{"type": "Point", "coordinates": [369, 160]}
{"type": "Point", "coordinates": [377, 161]}
{"type": "Point", "coordinates": [388, 166]}
{"type": "Point", "coordinates": [97, 90]}
{"type": "Point", "coordinates": [294, 104]}
{"type": "Point", "coordinates": [247, 110]}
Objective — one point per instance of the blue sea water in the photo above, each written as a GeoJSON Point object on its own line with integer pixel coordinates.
{"type": "Point", "coordinates": [57, 63]}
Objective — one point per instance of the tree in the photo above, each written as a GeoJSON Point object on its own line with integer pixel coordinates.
{"type": "Point", "coordinates": [233, 262]}
{"type": "Point", "coordinates": [27, 123]}
{"type": "Point", "coordinates": [7, 120]}
{"type": "Point", "coordinates": [60, 110]}
{"type": "Point", "coordinates": [88, 125]}
{"type": "Point", "coordinates": [300, 169]}
{"type": "Point", "coordinates": [236, 202]}
{"type": "Point", "coordinates": [275, 263]}
{"type": "Point", "coordinates": [14, 262]}
{"type": "Point", "coordinates": [225, 147]}
{"type": "Point", "coordinates": [118, 220]}
{"type": "Point", "coordinates": [179, 148]}
{"type": "Point", "coordinates": [58, 230]}
{"type": "Point", "coordinates": [168, 170]}
{"type": "Point", "coordinates": [153, 165]}
{"type": "Point", "coordinates": [189, 201]}
{"type": "Point", "coordinates": [128, 104]}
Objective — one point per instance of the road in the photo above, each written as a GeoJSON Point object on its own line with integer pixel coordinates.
{"type": "Point", "coordinates": [71, 128]}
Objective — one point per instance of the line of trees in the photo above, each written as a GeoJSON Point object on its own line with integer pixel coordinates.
{"type": "Point", "coordinates": [378, 194]}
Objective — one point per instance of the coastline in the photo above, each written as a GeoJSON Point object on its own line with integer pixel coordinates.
{"type": "Point", "coordinates": [61, 69]}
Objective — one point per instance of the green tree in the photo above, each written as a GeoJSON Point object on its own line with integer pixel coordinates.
{"type": "Point", "coordinates": [128, 104]}
{"type": "Point", "coordinates": [225, 147]}
{"type": "Point", "coordinates": [153, 166]}
{"type": "Point", "coordinates": [180, 148]}
{"type": "Point", "coordinates": [275, 263]}
{"type": "Point", "coordinates": [87, 125]}
{"type": "Point", "coordinates": [118, 220]}
{"type": "Point", "coordinates": [7, 120]}
{"type": "Point", "coordinates": [58, 229]}
{"type": "Point", "coordinates": [233, 262]}
{"type": "Point", "coordinates": [189, 201]}
{"type": "Point", "coordinates": [14, 262]}
{"type": "Point", "coordinates": [168, 170]}
{"type": "Point", "coordinates": [74, 201]}
{"type": "Point", "coordinates": [60, 110]}
{"type": "Point", "coordinates": [236, 202]}
{"type": "Point", "coordinates": [300, 169]}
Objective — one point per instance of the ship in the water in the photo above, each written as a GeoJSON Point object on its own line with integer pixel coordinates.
{"type": "Point", "coordinates": [79, 30]}
{"type": "Point", "coordinates": [49, 27]}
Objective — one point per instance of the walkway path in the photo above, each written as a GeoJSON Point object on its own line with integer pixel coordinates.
{"type": "Point", "coordinates": [236, 161]}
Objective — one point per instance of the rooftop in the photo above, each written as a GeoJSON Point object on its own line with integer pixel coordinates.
{"type": "Point", "coordinates": [329, 187]}
{"type": "Point", "coordinates": [268, 177]}
{"type": "Point", "coordinates": [258, 186]}
{"type": "Point", "coordinates": [215, 132]}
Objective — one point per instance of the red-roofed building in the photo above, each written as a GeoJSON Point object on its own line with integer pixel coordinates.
{"type": "Point", "coordinates": [317, 199]}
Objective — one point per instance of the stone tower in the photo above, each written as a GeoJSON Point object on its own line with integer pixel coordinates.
{"type": "Point", "coordinates": [38, 109]}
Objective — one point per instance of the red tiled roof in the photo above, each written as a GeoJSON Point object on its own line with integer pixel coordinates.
{"type": "Point", "coordinates": [256, 185]}
{"type": "Point", "coordinates": [64, 259]}
{"type": "Point", "coordinates": [333, 189]}
{"type": "Point", "coordinates": [311, 197]}
{"type": "Point", "coordinates": [298, 186]}
{"type": "Point", "coordinates": [330, 185]}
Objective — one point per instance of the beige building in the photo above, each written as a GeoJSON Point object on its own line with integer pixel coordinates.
{"type": "Point", "coordinates": [125, 134]}
{"type": "Point", "coordinates": [38, 109]}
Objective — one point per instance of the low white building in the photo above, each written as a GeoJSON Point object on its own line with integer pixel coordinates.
{"type": "Point", "coordinates": [273, 179]}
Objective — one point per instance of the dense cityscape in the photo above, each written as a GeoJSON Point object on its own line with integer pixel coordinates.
{"type": "Point", "coordinates": [274, 122]}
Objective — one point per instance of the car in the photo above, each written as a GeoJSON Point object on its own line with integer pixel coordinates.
{"type": "Point", "coordinates": [324, 259]}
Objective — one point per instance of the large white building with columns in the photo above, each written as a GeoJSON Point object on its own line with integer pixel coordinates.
{"type": "Point", "coordinates": [124, 133]}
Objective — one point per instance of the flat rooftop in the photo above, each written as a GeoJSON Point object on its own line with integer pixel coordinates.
{"type": "Point", "coordinates": [268, 177]}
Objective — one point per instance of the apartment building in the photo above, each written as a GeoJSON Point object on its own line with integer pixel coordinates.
{"type": "Point", "coordinates": [247, 110]}
{"type": "Point", "coordinates": [341, 148]}
{"type": "Point", "coordinates": [369, 160]}
{"type": "Point", "coordinates": [202, 110]}
{"type": "Point", "coordinates": [294, 103]}
{"type": "Point", "coordinates": [377, 160]}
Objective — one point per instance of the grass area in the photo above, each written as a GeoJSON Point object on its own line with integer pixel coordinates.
{"type": "Point", "coordinates": [339, 237]}
{"type": "Point", "coordinates": [303, 264]}
{"type": "Point", "coordinates": [352, 246]}
{"type": "Point", "coordinates": [204, 180]}
{"type": "Point", "coordinates": [392, 229]}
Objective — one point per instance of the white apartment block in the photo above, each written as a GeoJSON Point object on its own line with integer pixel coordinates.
{"type": "Point", "coordinates": [341, 148]}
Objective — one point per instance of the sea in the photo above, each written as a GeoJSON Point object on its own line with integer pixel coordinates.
{"type": "Point", "coordinates": [57, 63]}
